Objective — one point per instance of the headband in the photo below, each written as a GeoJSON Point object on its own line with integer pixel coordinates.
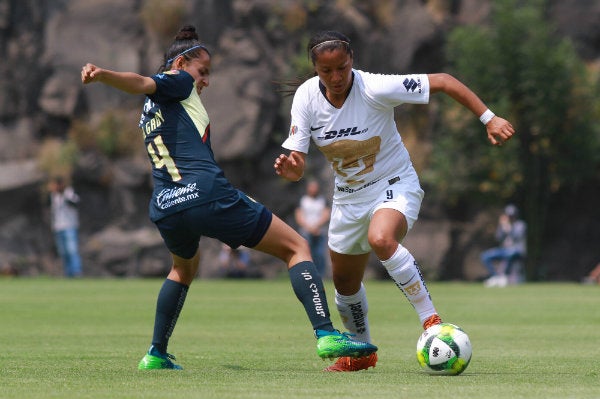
{"type": "Point", "coordinates": [329, 42]}
{"type": "Point", "coordinates": [170, 60]}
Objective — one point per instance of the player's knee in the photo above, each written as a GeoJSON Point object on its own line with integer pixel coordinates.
{"type": "Point", "coordinates": [301, 248]}
{"type": "Point", "coordinates": [186, 269]}
{"type": "Point", "coordinates": [294, 251]}
{"type": "Point", "coordinates": [346, 284]}
{"type": "Point", "coordinates": [382, 245]}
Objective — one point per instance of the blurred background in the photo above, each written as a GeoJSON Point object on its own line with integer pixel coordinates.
{"type": "Point", "coordinates": [536, 63]}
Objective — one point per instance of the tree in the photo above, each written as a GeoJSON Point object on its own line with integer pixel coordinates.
{"type": "Point", "coordinates": [533, 77]}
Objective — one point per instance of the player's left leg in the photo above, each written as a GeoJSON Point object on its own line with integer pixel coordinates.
{"type": "Point", "coordinates": [168, 307]}
{"type": "Point", "coordinates": [388, 227]}
{"type": "Point", "coordinates": [183, 245]}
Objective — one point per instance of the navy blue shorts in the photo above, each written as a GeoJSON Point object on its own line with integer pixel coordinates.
{"type": "Point", "coordinates": [235, 221]}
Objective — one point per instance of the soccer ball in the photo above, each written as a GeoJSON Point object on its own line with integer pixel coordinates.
{"type": "Point", "coordinates": [444, 349]}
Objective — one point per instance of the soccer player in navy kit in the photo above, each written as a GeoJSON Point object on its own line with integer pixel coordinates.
{"type": "Point", "coordinates": [193, 198]}
{"type": "Point", "coordinates": [349, 115]}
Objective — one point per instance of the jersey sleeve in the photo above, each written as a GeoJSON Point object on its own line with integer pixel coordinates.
{"type": "Point", "coordinates": [172, 85]}
{"type": "Point", "coordinates": [299, 135]}
{"type": "Point", "coordinates": [397, 89]}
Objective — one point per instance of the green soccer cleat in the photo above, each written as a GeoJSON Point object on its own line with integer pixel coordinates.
{"type": "Point", "coordinates": [332, 344]}
{"type": "Point", "coordinates": [154, 360]}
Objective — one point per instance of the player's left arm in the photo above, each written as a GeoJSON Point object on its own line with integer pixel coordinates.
{"type": "Point", "coordinates": [498, 129]}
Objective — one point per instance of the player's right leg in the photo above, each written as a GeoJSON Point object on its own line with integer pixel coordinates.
{"type": "Point", "coordinates": [352, 305]}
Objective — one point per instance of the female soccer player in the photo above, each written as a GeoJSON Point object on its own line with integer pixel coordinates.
{"type": "Point", "coordinates": [349, 114]}
{"type": "Point", "coordinates": [192, 198]}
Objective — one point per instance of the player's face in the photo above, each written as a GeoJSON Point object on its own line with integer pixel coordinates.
{"type": "Point", "coordinates": [335, 71]}
{"type": "Point", "coordinates": [199, 68]}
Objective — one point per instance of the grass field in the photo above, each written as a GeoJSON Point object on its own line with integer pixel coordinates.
{"type": "Point", "coordinates": [251, 339]}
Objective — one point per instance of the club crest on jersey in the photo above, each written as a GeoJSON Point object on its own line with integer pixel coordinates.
{"type": "Point", "coordinates": [293, 130]}
{"type": "Point", "coordinates": [171, 72]}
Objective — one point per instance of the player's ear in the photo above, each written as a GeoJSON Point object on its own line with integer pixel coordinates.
{"type": "Point", "coordinates": [178, 63]}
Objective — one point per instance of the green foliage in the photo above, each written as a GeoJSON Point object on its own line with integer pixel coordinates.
{"type": "Point", "coordinates": [251, 339]}
{"type": "Point", "coordinates": [163, 18]}
{"type": "Point", "coordinates": [57, 157]}
{"type": "Point", "coordinates": [118, 135]}
{"type": "Point", "coordinates": [114, 135]}
{"type": "Point", "coordinates": [529, 75]}
{"type": "Point", "coordinates": [301, 64]}
{"type": "Point", "coordinates": [533, 78]}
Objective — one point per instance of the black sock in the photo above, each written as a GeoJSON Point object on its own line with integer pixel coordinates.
{"type": "Point", "coordinates": [168, 306]}
{"type": "Point", "coordinates": [309, 289]}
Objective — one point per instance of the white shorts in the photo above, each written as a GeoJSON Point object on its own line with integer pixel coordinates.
{"type": "Point", "coordinates": [349, 224]}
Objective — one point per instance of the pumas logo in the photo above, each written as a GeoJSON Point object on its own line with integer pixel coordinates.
{"type": "Point", "coordinates": [413, 289]}
{"type": "Point", "coordinates": [352, 159]}
{"type": "Point", "coordinates": [351, 131]}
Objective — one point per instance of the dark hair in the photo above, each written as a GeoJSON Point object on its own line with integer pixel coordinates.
{"type": "Point", "coordinates": [186, 44]}
{"type": "Point", "coordinates": [318, 43]}
{"type": "Point", "coordinates": [327, 41]}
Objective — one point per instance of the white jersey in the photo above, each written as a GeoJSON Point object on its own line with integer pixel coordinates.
{"type": "Point", "coordinates": [360, 139]}
{"type": "Point", "coordinates": [312, 209]}
{"type": "Point", "coordinates": [64, 210]}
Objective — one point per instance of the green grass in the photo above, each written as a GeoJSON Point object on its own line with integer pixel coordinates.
{"type": "Point", "coordinates": [251, 339]}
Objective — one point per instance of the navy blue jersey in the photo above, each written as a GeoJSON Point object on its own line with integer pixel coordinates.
{"type": "Point", "coordinates": [176, 131]}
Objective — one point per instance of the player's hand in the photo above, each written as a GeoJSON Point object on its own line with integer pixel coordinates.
{"type": "Point", "coordinates": [499, 130]}
{"type": "Point", "coordinates": [290, 167]}
{"type": "Point", "coordinates": [89, 73]}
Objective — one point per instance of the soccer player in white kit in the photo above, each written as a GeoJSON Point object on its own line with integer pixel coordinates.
{"type": "Point", "coordinates": [349, 115]}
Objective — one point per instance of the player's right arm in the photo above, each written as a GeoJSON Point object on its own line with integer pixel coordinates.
{"type": "Point", "coordinates": [290, 167]}
{"type": "Point", "coordinates": [128, 82]}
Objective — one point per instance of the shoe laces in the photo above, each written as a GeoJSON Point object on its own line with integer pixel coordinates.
{"type": "Point", "coordinates": [154, 352]}
{"type": "Point", "coordinates": [432, 321]}
{"type": "Point", "coordinates": [337, 333]}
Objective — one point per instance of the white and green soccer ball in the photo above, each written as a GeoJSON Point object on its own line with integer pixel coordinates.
{"type": "Point", "coordinates": [444, 349]}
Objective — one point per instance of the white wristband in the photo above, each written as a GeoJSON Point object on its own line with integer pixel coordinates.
{"type": "Point", "coordinates": [486, 116]}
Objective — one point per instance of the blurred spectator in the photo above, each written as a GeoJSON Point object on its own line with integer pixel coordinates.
{"type": "Point", "coordinates": [511, 234]}
{"type": "Point", "coordinates": [235, 263]}
{"type": "Point", "coordinates": [65, 224]}
{"type": "Point", "coordinates": [593, 277]}
{"type": "Point", "coordinates": [8, 270]}
{"type": "Point", "coordinates": [312, 216]}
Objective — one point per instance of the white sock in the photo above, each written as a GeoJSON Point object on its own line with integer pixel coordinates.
{"type": "Point", "coordinates": [403, 269]}
{"type": "Point", "coordinates": [353, 311]}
